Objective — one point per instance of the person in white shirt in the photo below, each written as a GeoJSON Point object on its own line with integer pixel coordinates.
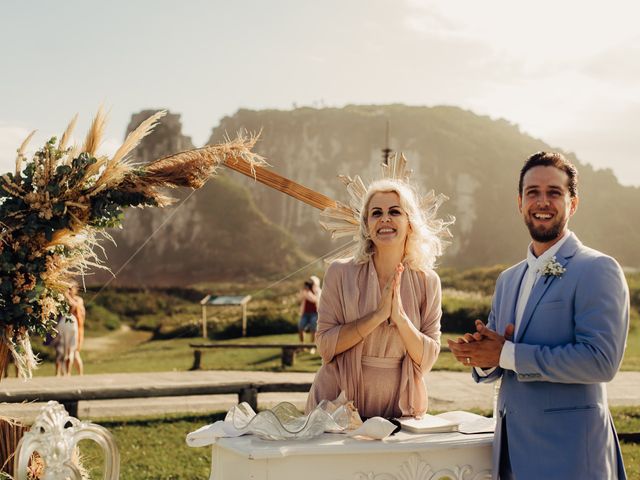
{"type": "Point", "coordinates": [555, 335]}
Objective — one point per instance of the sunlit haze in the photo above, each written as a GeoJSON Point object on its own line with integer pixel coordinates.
{"type": "Point", "coordinates": [566, 72]}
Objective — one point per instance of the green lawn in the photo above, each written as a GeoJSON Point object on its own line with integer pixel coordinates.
{"type": "Point", "coordinates": [154, 449]}
{"type": "Point", "coordinates": [123, 322]}
{"type": "Point", "coordinates": [131, 352]}
{"type": "Point", "coordinates": [175, 354]}
{"type": "Point", "coordinates": [145, 443]}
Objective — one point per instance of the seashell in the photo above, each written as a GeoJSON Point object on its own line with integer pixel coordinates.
{"type": "Point", "coordinates": [376, 428]}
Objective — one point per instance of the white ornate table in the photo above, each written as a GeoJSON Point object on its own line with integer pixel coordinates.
{"type": "Point", "coordinates": [404, 456]}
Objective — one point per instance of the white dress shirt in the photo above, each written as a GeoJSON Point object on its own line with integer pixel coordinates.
{"type": "Point", "coordinates": [531, 276]}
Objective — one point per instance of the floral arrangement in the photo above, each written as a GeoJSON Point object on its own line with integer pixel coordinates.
{"type": "Point", "coordinates": [552, 268]}
{"type": "Point", "coordinates": [54, 208]}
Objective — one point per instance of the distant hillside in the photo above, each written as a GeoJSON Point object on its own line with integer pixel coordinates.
{"type": "Point", "coordinates": [217, 234]}
{"type": "Point", "coordinates": [473, 159]}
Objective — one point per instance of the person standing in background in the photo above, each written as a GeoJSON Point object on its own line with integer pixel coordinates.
{"type": "Point", "coordinates": [77, 309]}
{"type": "Point", "coordinates": [309, 298]}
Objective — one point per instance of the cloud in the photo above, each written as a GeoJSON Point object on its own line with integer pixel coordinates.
{"type": "Point", "coordinates": [539, 34]}
{"type": "Point", "coordinates": [566, 72]}
{"type": "Point", "coordinates": [617, 147]}
{"type": "Point", "coordinates": [617, 65]}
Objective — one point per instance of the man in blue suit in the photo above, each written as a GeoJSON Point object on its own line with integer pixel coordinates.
{"type": "Point", "coordinates": [555, 335]}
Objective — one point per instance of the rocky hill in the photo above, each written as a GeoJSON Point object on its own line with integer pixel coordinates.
{"type": "Point", "coordinates": [235, 228]}
{"type": "Point", "coordinates": [215, 233]}
{"type": "Point", "coordinates": [475, 160]}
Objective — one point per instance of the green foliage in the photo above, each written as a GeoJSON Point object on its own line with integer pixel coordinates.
{"type": "Point", "coordinates": [48, 197]}
{"type": "Point", "coordinates": [263, 322]}
{"type": "Point", "coordinates": [144, 444]}
{"type": "Point", "coordinates": [460, 310]}
{"type": "Point", "coordinates": [133, 303]}
{"type": "Point", "coordinates": [633, 279]}
{"type": "Point", "coordinates": [480, 279]}
{"type": "Point", "coordinates": [186, 330]}
{"type": "Point", "coordinates": [101, 318]}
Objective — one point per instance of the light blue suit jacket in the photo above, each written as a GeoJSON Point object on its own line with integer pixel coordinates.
{"type": "Point", "coordinates": [569, 343]}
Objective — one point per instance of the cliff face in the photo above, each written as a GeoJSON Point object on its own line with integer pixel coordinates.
{"type": "Point", "coordinates": [214, 233]}
{"type": "Point", "coordinates": [235, 228]}
{"type": "Point", "coordinates": [472, 159]}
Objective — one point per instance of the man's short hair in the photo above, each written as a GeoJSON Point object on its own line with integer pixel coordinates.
{"type": "Point", "coordinates": [551, 159]}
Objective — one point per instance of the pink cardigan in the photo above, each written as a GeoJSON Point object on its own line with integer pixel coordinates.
{"type": "Point", "coordinates": [350, 292]}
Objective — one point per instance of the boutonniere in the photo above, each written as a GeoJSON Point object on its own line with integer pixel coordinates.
{"type": "Point", "coordinates": [552, 268]}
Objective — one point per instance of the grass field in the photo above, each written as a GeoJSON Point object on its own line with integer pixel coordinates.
{"type": "Point", "coordinates": [144, 444]}
{"type": "Point", "coordinates": [126, 340]}
{"type": "Point", "coordinates": [132, 351]}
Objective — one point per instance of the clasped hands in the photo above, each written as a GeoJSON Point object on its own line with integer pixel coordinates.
{"type": "Point", "coordinates": [390, 307]}
{"type": "Point", "coordinates": [481, 348]}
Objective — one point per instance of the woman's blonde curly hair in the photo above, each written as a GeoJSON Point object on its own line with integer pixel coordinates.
{"type": "Point", "coordinates": [425, 242]}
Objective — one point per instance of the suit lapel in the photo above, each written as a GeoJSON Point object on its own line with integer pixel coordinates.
{"type": "Point", "coordinates": [543, 283]}
{"type": "Point", "coordinates": [511, 299]}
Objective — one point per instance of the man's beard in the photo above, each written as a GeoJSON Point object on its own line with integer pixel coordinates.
{"type": "Point", "coordinates": [543, 235]}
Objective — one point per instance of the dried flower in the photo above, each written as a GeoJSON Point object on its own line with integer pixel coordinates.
{"type": "Point", "coordinates": [552, 268]}
{"type": "Point", "coordinates": [55, 207]}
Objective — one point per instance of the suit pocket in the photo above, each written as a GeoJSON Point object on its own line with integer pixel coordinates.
{"type": "Point", "coordinates": [554, 305]}
{"type": "Point", "coordinates": [581, 408]}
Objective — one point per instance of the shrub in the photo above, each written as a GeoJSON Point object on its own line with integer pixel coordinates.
{"type": "Point", "coordinates": [633, 279]}
{"type": "Point", "coordinates": [99, 318]}
{"type": "Point", "coordinates": [44, 353]}
{"type": "Point", "coordinates": [461, 309]}
{"type": "Point", "coordinates": [148, 323]}
{"type": "Point", "coordinates": [166, 332]}
{"type": "Point", "coordinates": [264, 322]}
{"type": "Point", "coordinates": [481, 279]}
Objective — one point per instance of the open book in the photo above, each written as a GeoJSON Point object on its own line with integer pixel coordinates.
{"type": "Point", "coordinates": [456, 421]}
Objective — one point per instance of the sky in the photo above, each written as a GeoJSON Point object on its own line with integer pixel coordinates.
{"type": "Point", "coordinates": [566, 72]}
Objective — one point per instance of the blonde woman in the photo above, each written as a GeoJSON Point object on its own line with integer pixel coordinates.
{"type": "Point", "coordinates": [379, 315]}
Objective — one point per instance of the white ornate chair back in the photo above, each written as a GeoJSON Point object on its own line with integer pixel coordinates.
{"type": "Point", "coordinates": [54, 436]}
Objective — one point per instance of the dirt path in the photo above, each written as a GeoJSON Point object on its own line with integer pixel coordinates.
{"type": "Point", "coordinates": [123, 339]}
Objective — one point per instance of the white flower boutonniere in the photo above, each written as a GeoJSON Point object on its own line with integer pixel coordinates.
{"type": "Point", "coordinates": [552, 269]}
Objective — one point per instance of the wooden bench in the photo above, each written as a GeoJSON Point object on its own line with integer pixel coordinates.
{"type": "Point", "coordinates": [69, 397]}
{"type": "Point", "coordinates": [288, 350]}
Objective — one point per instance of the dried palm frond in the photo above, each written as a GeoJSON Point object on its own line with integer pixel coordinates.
{"type": "Point", "coordinates": [188, 169]}
{"type": "Point", "coordinates": [347, 251]}
{"type": "Point", "coordinates": [20, 156]}
{"type": "Point", "coordinates": [178, 170]}
{"type": "Point", "coordinates": [396, 168]}
{"type": "Point", "coordinates": [106, 177]}
{"type": "Point", "coordinates": [356, 189]}
{"type": "Point", "coordinates": [341, 221]}
{"type": "Point", "coordinates": [135, 137]}
{"type": "Point", "coordinates": [67, 133]}
{"type": "Point", "coordinates": [96, 132]}
{"type": "Point", "coordinates": [63, 210]}
{"type": "Point", "coordinates": [112, 172]}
